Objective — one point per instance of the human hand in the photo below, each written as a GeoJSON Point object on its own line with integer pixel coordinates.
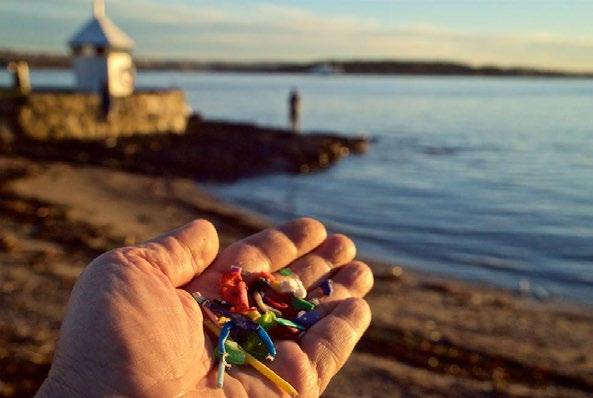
{"type": "Point", "coordinates": [132, 328]}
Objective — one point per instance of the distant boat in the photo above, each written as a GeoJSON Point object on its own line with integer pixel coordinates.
{"type": "Point", "coordinates": [325, 69]}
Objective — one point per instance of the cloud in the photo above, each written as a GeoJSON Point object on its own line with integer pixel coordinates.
{"type": "Point", "coordinates": [61, 10]}
{"type": "Point", "coordinates": [158, 12]}
{"type": "Point", "coordinates": [208, 29]}
{"type": "Point", "coordinates": [270, 31]}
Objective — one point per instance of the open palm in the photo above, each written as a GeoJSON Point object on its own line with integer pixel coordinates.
{"type": "Point", "coordinates": [133, 329]}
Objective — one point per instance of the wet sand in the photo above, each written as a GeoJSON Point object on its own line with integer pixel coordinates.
{"type": "Point", "coordinates": [430, 337]}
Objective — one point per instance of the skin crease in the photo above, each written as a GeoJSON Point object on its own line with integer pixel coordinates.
{"type": "Point", "coordinates": [132, 329]}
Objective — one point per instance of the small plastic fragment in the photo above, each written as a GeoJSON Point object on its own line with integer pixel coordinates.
{"type": "Point", "coordinates": [275, 302]}
{"type": "Point", "coordinates": [254, 346]}
{"type": "Point", "coordinates": [235, 355]}
{"type": "Point", "coordinates": [285, 272]}
{"type": "Point", "coordinates": [234, 290]}
{"type": "Point", "coordinates": [289, 323]}
{"type": "Point", "coordinates": [309, 318]}
{"type": "Point", "coordinates": [219, 307]}
{"type": "Point", "coordinates": [327, 287]}
{"type": "Point", "coordinates": [290, 285]}
{"type": "Point", "coordinates": [222, 365]}
{"type": "Point", "coordinates": [261, 285]}
{"type": "Point", "coordinates": [257, 296]}
{"type": "Point", "coordinates": [199, 298]}
{"type": "Point", "coordinates": [302, 304]}
{"type": "Point", "coordinates": [236, 268]}
{"type": "Point", "coordinates": [267, 320]}
{"type": "Point", "coordinates": [210, 307]}
{"type": "Point", "coordinates": [224, 335]}
{"type": "Point", "coordinates": [285, 333]}
{"type": "Point", "coordinates": [244, 323]}
{"type": "Point", "coordinates": [222, 338]}
{"type": "Point", "coordinates": [252, 314]}
{"type": "Point", "coordinates": [265, 338]}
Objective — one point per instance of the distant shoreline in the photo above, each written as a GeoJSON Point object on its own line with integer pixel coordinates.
{"type": "Point", "coordinates": [347, 67]}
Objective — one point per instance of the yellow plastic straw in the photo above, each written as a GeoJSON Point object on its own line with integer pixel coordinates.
{"type": "Point", "coordinates": [260, 367]}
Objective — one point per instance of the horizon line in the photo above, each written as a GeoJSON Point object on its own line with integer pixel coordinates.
{"type": "Point", "coordinates": [287, 61]}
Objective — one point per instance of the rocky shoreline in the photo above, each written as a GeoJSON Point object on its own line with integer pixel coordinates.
{"type": "Point", "coordinates": [208, 150]}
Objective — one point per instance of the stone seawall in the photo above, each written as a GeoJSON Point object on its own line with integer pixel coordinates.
{"type": "Point", "coordinates": [152, 132]}
{"type": "Point", "coordinates": [62, 115]}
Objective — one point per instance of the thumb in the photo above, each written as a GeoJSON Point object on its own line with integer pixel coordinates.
{"type": "Point", "coordinates": [183, 253]}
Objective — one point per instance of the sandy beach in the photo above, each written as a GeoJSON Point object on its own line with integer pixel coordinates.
{"type": "Point", "coordinates": [430, 337]}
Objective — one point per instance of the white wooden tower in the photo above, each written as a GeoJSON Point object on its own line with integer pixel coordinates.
{"type": "Point", "coordinates": [102, 55]}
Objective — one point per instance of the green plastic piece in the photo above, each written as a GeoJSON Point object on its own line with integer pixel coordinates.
{"type": "Point", "coordinates": [253, 345]}
{"type": "Point", "coordinates": [286, 322]}
{"type": "Point", "coordinates": [267, 320]}
{"type": "Point", "coordinates": [236, 354]}
{"type": "Point", "coordinates": [302, 304]}
{"type": "Point", "coordinates": [285, 272]}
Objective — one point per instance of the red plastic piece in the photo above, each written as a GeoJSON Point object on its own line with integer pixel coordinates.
{"type": "Point", "coordinates": [274, 302]}
{"type": "Point", "coordinates": [234, 290]}
{"type": "Point", "coordinates": [284, 333]}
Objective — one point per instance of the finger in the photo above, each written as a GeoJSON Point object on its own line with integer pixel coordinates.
{"type": "Point", "coordinates": [329, 343]}
{"type": "Point", "coordinates": [183, 253]}
{"type": "Point", "coordinates": [273, 248]}
{"type": "Point", "coordinates": [337, 250]}
{"type": "Point", "coordinates": [354, 279]}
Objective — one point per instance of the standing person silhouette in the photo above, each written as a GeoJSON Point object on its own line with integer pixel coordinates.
{"type": "Point", "coordinates": [294, 105]}
{"type": "Point", "coordinates": [105, 100]}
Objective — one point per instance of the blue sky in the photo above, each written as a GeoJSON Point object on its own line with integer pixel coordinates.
{"type": "Point", "coordinates": [555, 34]}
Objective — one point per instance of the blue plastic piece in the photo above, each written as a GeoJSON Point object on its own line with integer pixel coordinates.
{"type": "Point", "coordinates": [309, 318]}
{"type": "Point", "coordinates": [327, 287]}
{"type": "Point", "coordinates": [244, 323]}
{"type": "Point", "coordinates": [265, 338]}
{"type": "Point", "coordinates": [224, 335]}
{"type": "Point", "coordinates": [219, 308]}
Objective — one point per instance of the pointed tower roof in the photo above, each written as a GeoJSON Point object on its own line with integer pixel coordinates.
{"type": "Point", "coordinates": [100, 31]}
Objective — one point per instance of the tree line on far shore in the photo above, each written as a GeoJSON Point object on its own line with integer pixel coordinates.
{"type": "Point", "coordinates": [377, 67]}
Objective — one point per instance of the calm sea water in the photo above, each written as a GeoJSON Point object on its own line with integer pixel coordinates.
{"type": "Point", "coordinates": [487, 179]}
